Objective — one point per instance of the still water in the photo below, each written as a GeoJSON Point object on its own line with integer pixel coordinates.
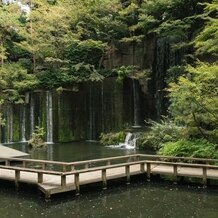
{"type": "Point", "coordinates": [138, 200]}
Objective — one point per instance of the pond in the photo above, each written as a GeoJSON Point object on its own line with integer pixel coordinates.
{"type": "Point", "coordinates": [141, 199]}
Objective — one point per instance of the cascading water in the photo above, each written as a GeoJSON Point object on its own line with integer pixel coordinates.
{"type": "Point", "coordinates": [136, 104]}
{"type": "Point", "coordinates": [32, 115]}
{"type": "Point", "coordinates": [23, 124]}
{"type": "Point", "coordinates": [91, 115]}
{"type": "Point", "coordinates": [49, 115]}
{"type": "Point", "coordinates": [129, 143]}
{"type": "Point", "coordinates": [9, 124]}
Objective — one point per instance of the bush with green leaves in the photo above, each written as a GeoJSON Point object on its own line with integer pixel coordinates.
{"type": "Point", "coordinates": [199, 148]}
{"type": "Point", "coordinates": [159, 133]}
{"type": "Point", "coordinates": [112, 138]}
{"type": "Point", "coordinates": [36, 140]}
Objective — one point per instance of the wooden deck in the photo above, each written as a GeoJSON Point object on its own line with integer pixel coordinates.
{"type": "Point", "coordinates": [54, 177]}
{"type": "Point", "coordinates": [6, 152]}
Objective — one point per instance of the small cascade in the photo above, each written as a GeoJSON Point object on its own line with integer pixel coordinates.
{"type": "Point", "coordinates": [9, 124]}
{"type": "Point", "coordinates": [129, 143]}
{"type": "Point", "coordinates": [32, 115]}
{"type": "Point", "coordinates": [23, 124]}
{"type": "Point", "coordinates": [49, 115]}
{"type": "Point", "coordinates": [136, 104]}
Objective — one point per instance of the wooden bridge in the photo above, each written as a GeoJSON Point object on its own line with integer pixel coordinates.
{"type": "Point", "coordinates": [54, 177]}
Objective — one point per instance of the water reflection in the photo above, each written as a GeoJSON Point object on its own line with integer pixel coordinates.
{"type": "Point", "coordinates": [152, 200]}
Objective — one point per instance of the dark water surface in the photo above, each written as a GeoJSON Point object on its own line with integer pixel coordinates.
{"type": "Point", "coordinates": [139, 199]}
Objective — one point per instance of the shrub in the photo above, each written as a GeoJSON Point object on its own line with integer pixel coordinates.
{"type": "Point", "coordinates": [36, 140]}
{"type": "Point", "coordinates": [159, 133]}
{"type": "Point", "coordinates": [200, 148]}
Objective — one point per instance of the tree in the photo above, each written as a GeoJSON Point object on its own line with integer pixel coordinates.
{"type": "Point", "coordinates": [8, 23]}
{"type": "Point", "coordinates": [194, 99]}
{"type": "Point", "coordinates": [207, 40]}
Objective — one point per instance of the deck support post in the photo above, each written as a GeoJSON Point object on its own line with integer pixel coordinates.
{"type": "Point", "coordinates": [175, 173]}
{"type": "Point", "coordinates": [40, 177]}
{"type": "Point", "coordinates": [17, 178]}
{"type": "Point", "coordinates": [148, 172]}
{"type": "Point", "coordinates": [127, 168]}
{"type": "Point", "coordinates": [63, 180]}
{"type": "Point", "coordinates": [104, 178]}
{"type": "Point", "coordinates": [204, 176]}
{"type": "Point", "coordinates": [76, 180]}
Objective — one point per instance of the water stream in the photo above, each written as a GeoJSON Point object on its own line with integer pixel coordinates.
{"type": "Point", "coordinates": [49, 115]}
{"type": "Point", "coordinates": [23, 124]}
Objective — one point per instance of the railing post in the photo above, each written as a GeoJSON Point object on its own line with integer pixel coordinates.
{"type": "Point", "coordinates": [17, 178]}
{"type": "Point", "coordinates": [108, 163]}
{"type": "Point", "coordinates": [104, 178]}
{"type": "Point", "coordinates": [142, 167]}
{"type": "Point", "coordinates": [63, 180]}
{"type": "Point", "coordinates": [127, 167]}
{"type": "Point", "coordinates": [76, 180]}
{"type": "Point", "coordinates": [24, 164]}
{"type": "Point", "coordinates": [72, 167]}
{"type": "Point", "coordinates": [64, 168]}
{"type": "Point", "coordinates": [43, 166]}
{"type": "Point", "coordinates": [40, 177]}
{"type": "Point", "coordinates": [175, 172]}
{"type": "Point", "coordinates": [86, 166]}
{"type": "Point", "coordinates": [148, 171]}
{"type": "Point", "coordinates": [7, 162]}
{"type": "Point", "coordinates": [204, 176]}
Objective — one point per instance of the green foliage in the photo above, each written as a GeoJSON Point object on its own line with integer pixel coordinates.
{"type": "Point", "coordinates": [112, 138]}
{"type": "Point", "coordinates": [14, 81]}
{"type": "Point", "coordinates": [36, 140]}
{"type": "Point", "coordinates": [207, 40]}
{"type": "Point", "coordinates": [159, 133]}
{"type": "Point", "coordinates": [124, 71]}
{"type": "Point", "coordinates": [88, 51]}
{"type": "Point", "coordinates": [2, 121]}
{"type": "Point", "coordinates": [194, 98]}
{"type": "Point", "coordinates": [200, 148]}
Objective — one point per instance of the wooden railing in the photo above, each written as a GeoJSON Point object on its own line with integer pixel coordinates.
{"type": "Point", "coordinates": [77, 168]}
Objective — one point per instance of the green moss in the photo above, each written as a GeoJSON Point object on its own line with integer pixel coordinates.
{"type": "Point", "coordinates": [112, 138]}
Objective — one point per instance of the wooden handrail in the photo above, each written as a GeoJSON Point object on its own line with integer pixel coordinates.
{"type": "Point", "coordinates": [159, 159]}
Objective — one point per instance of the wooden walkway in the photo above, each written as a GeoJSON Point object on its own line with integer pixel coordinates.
{"type": "Point", "coordinates": [6, 152]}
{"type": "Point", "coordinates": [54, 177]}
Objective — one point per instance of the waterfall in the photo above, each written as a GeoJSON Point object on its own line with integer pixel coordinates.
{"type": "Point", "coordinates": [102, 105]}
{"type": "Point", "coordinates": [23, 124]}
{"type": "Point", "coordinates": [49, 116]}
{"type": "Point", "coordinates": [129, 143]}
{"type": "Point", "coordinates": [32, 115]}
{"type": "Point", "coordinates": [9, 124]}
{"type": "Point", "coordinates": [90, 128]}
{"type": "Point", "coordinates": [135, 104]}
